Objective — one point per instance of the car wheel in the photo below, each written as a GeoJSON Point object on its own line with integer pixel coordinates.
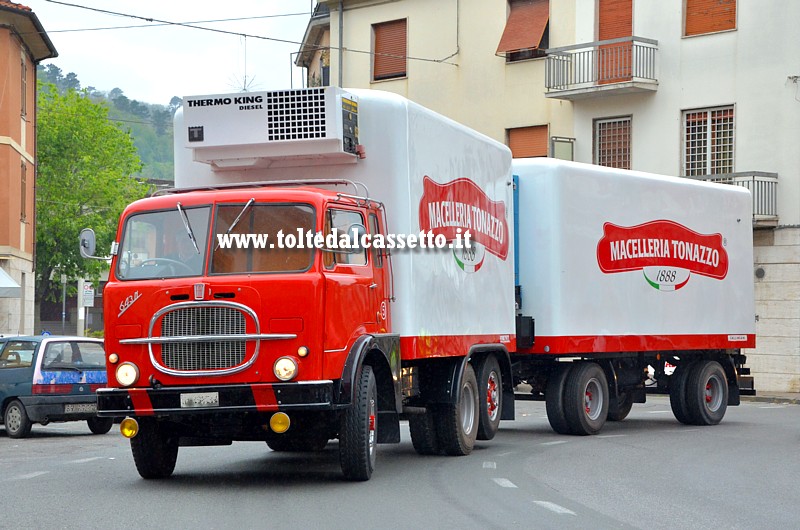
{"type": "Point", "coordinates": [423, 433]}
{"type": "Point", "coordinates": [677, 392]}
{"type": "Point", "coordinates": [100, 425]}
{"type": "Point", "coordinates": [490, 397]}
{"type": "Point", "coordinates": [16, 420]}
{"type": "Point", "coordinates": [707, 393]}
{"type": "Point", "coordinates": [623, 408]}
{"type": "Point", "coordinates": [554, 398]}
{"type": "Point", "coordinates": [154, 450]}
{"type": "Point", "coordinates": [359, 429]}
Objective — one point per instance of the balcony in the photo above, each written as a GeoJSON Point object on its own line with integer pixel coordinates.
{"type": "Point", "coordinates": [763, 188]}
{"type": "Point", "coordinates": [602, 68]}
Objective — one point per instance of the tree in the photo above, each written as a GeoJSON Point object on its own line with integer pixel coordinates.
{"type": "Point", "coordinates": [86, 163]}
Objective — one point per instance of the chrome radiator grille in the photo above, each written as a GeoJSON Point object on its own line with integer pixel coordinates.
{"type": "Point", "coordinates": [203, 355]}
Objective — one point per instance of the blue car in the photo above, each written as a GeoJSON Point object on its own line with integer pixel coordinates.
{"type": "Point", "coordinates": [51, 379]}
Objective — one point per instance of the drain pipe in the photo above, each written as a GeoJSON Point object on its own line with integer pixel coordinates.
{"type": "Point", "coordinates": [341, 41]}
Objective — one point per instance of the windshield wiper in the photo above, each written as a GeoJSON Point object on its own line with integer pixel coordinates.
{"type": "Point", "coordinates": [60, 366]}
{"type": "Point", "coordinates": [236, 221]}
{"type": "Point", "coordinates": [188, 227]}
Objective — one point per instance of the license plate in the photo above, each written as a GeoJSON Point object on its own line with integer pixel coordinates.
{"type": "Point", "coordinates": [80, 407]}
{"type": "Point", "coordinates": [200, 399]}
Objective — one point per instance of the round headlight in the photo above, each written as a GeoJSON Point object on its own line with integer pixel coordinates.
{"type": "Point", "coordinates": [285, 368]}
{"type": "Point", "coordinates": [127, 374]}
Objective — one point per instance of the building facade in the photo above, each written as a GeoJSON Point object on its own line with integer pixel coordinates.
{"type": "Point", "coordinates": [703, 89]}
{"type": "Point", "coordinates": [23, 44]}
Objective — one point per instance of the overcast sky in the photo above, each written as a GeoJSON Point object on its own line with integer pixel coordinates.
{"type": "Point", "coordinates": [154, 63]}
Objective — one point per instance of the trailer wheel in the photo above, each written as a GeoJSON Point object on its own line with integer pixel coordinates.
{"type": "Point", "coordinates": [707, 393]}
{"type": "Point", "coordinates": [423, 433]}
{"type": "Point", "coordinates": [490, 397]}
{"type": "Point", "coordinates": [358, 430]}
{"type": "Point", "coordinates": [16, 420]}
{"type": "Point", "coordinates": [621, 411]}
{"type": "Point", "coordinates": [154, 450]}
{"type": "Point", "coordinates": [100, 425]}
{"type": "Point", "coordinates": [586, 399]}
{"type": "Point", "coordinates": [678, 383]}
{"type": "Point", "coordinates": [554, 398]}
{"type": "Point", "coordinates": [457, 424]}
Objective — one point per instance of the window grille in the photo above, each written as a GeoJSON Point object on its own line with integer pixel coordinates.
{"type": "Point", "coordinates": [612, 142]}
{"type": "Point", "coordinates": [708, 141]}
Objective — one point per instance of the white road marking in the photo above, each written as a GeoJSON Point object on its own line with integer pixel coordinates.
{"type": "Point", "coordinates": [506, 453]}
{"type": "Point", "coordinates": [611, 435]}
{"type": "Point", "coordinates": [490, 465]}
{"type": "Point", "coordinates": [659, 411]}
{"type": "Point", "coordinates": [31, 475]}
{"type": "Point", "coordinates": [553, 507]}
{"type": "Point", "coordinates": [773, 407]}
{"type": "Point", "coordinates": [504, 482]}
{"type": "Point", "coordinates": [84, 460]}
{"type": "Point", "coordinates": [557, 442]}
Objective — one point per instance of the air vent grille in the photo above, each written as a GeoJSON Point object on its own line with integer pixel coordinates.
{"type": "Point", "coordinates": [296, 114]}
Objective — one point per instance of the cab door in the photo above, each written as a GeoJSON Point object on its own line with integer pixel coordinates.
{"type": "Point", "coordinates": [381, 270]}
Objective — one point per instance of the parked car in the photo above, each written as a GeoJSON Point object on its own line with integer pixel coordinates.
{"type": "Point", "coordinates": [51, 379]}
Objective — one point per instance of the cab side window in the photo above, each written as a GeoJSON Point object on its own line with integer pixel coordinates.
{"type": "Point", "coordinates": [339, 223]}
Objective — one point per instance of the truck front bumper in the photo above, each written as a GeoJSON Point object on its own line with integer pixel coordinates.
{"type": "Point", "coordinates": [215, 399]}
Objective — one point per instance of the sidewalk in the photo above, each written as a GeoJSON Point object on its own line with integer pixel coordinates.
{"type": "Point", "coordinates": [775, 397]}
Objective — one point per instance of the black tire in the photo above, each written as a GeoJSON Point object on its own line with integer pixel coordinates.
{"type": "Point", "coordinates": [16, 420]}
{"type": "Point", "coordinates": [490, 397]}
{"type": "Point", "coordinates": [423, 433]}
{"type": "Point", "coordinates": [586, 399]}
{"type": "Point", "coordinates": [623, 408]}
{"type": "Point", "coordinates": [100, 425]}
{"type": "Point", "coordinates": [707, 393]}
{"type": "Point", "coordinates": [554, 398]}
{"type": "Point", "coordinates": [677, 392]}
{"type": "Point", "coordinates": [154, 450]}
{"type": "Point", "coordinates": [358, 432]}
{"type": "Point", "coordinates": [457, 423]}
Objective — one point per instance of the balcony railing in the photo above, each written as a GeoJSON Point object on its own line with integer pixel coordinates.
{"type": "Point", "coordinates": [616, 66]}
{"type": "Point", "coordinates": [763, 188]}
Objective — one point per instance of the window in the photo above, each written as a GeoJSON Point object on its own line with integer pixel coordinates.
{"type": "Point", "coordinates": [23, 192]}
{"type": "Point", "coordinates": [612, 142]}
{"type": "Point", "coordinates": [273, 238]}
{"type": "Point", "coordinates": [374, 229]}
{"type": "Point", "coordinates": [708, 141]}
{"type": "Point", "coordinates": [389, 50]}
{"type": "Point", "coordinates": [17, 354]}
{"type": "Point", "coordinates": [340, 223]}
{"type": "Point", "coordinates": [527, 142]}
{"type": "Point", "coordinates": [709, 16]}
{"type": "Point", "coordinates": [24, 87]}
{"type": "Point", "coordinates": [526, 35]}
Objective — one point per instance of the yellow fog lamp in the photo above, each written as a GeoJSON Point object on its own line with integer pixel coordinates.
{"type": "Point", "coordinates": [279, 422]}
{"type": "Point", "coordinates": [302, 351]}
{"type": "Point", "coordinates": [113, 358]}
{"type": "Point", "coordinates": [129, 427]}
{"type": "Point", "coordinates": [127, 374]}
{"type": "Point", "coordinates": [285, 368]}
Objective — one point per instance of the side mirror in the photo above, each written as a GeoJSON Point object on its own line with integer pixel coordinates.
{"type": "Point", "coordinates": [354, 233]}
{"type": "Point", "coordinates": [88, 243]}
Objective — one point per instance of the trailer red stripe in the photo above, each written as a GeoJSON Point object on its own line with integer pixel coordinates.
{"type": "Point", "coordinates": [577, 344]}
{"type": "Point", "coordinates": [264, 398]}
{"type": "Point", "coordinates": [449, 345]}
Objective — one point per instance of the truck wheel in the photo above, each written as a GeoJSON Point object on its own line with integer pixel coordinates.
{"type": "Point", "coordinates": [100, 425]}
{"type": "Point", "coordinates": [457, 424]}
{"type": "Point", "coordinates": [423, 433]}
{"type": "Point", "coordinates": [677, 392]}
{"type": "Point", "coordinates": [623, 408]}
{"type": "Point", "coordinates": [707, 393]}
{"type": "Point", "coordinates": [586, 399]}
{"type": "Point", "coordinates": [16, 420]}
{"type": "Point", "coordinates": [358, 430]}
{"type": "Point", "coordinates": [490, 397]}
{"type": "Point", "coordinates": [554, 398]}
{"type": "Point", "coordinates": [154, 450]}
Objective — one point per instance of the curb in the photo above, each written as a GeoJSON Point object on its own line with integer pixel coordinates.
{"type": "Point", "coordinates": [772, 399]}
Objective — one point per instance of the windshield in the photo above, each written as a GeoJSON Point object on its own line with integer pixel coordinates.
{"type": "Point", "coordinates": [264, 238]}
{"type": "Point", "coordinates": [159, 245]}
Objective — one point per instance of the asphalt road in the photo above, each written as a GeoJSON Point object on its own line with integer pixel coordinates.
{"type": "Point", "coordinates": [646, 472]}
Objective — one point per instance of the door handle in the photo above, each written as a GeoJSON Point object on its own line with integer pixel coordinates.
{"type": "Point", "coordinates": [373, 286]}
